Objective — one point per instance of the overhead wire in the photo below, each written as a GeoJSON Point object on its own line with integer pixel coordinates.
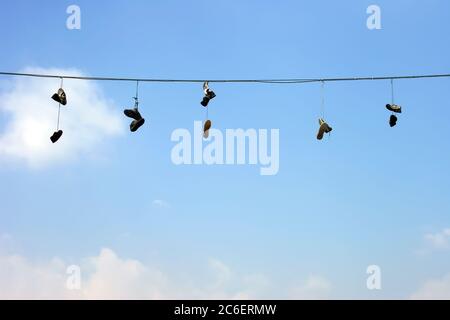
{"type": "Point", "coordinates": [266, 81]}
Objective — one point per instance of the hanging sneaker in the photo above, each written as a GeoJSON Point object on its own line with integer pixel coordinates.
{"type": "Point", "coordinates": [205, 101]}
{"type": "Point", "coordinates": [392, 120]}
{"type": "Point", "coordinates": [209, 94]}
{"type": "Point", "coordinates": [206, 127]}
{"type": "Point", "coordinates": [56, 135]}
{"type": "Point", "coordinates": [324, 128]}
{"type": "Point", "coordinates": [132, 113]}
{"type": "Point", "coordinates": [136, 124]}
{"type": "Point", "coordinates": [394, 108]}
{"type": "Point", "coordinates": [60, 97]}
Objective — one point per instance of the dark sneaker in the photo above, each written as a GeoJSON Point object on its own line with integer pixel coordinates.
{"type": "Point", "coordinates": [60, 97]}
{"type": "Point", "coordinates": [132, 113]}
{"type": "Point", "coordinates": [392, 120]}
{"type": "Point", "coordinates": [205, 101]}
{"type": "Point", "coordinates": [136, 124]}
{"type": "Point", "coordinates": [56, 135]}
{"type": "Point", "coordinates": [209, 94]}
{"type": "Point", "coordinates": [394, 108]}
{"type": "Point", "coordinates": [324, 128]}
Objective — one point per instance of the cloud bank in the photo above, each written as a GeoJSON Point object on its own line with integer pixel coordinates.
{"type": "Point", "coordinates": [30, 117]}
{"type": "Point", "coordinates": [435, 289]}
{"type": "Point", "coordinates": [108, 276]}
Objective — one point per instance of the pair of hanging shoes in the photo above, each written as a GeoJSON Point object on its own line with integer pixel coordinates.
{"type": "Point", "coordinates": [61, 98]}
{"type": "Point", "coordinates": [395, 109]}
{"type": "Point", "coordinates": [209, 94]}
{"type": "Point", "coordinates": [324, 128]}
{"type": "Point", "coordinates": [138, 120]}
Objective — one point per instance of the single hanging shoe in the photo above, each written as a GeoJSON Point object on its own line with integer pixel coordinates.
{"type": "Point", "coordinates": [324, 128]}
{"type": "Point", "coordinates": [60, 97]}
{"type": "Point", "coordinates": [133, 113]}
{"type": "Point", "coordinates": [394, 108]}
{"type": "Point", "coordinates": [136, 124]}
{"type": "Point", "coordinates": [206, 127]}
{"type": "Point", "coordinates": [393, 120]}
{"type": "Point", "coordinates": [56, 135]}
{"type": "Point", "coordinates": [205, 101]}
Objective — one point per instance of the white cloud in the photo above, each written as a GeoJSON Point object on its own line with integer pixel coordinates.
{"type": "Point", "coordinates": [87, 119]}
{"type": "Point", "coordinates": [315, 287]}
{"type": "Point", "coordinates": [435, 289]}
{"type": "Point", "coordinates": [439, 240]}
{"type": "Point", "coordinates": [108, 276]}
{"type": "Point", "coordinates": [21, 280]}
{"type": "Point", "coordinates": [105, 276]}
{"type": "Point", "coordinates": [116, 278]}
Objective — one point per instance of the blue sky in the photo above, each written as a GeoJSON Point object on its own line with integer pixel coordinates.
{"type": "Point", "coordinates": [367, 195]}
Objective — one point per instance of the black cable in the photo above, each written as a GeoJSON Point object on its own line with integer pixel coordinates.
{"type": "Point", "coordinates": [269, 81]}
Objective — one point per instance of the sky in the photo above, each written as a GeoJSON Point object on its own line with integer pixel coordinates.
{"type": "Point", "coordinates": [114, 204]}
